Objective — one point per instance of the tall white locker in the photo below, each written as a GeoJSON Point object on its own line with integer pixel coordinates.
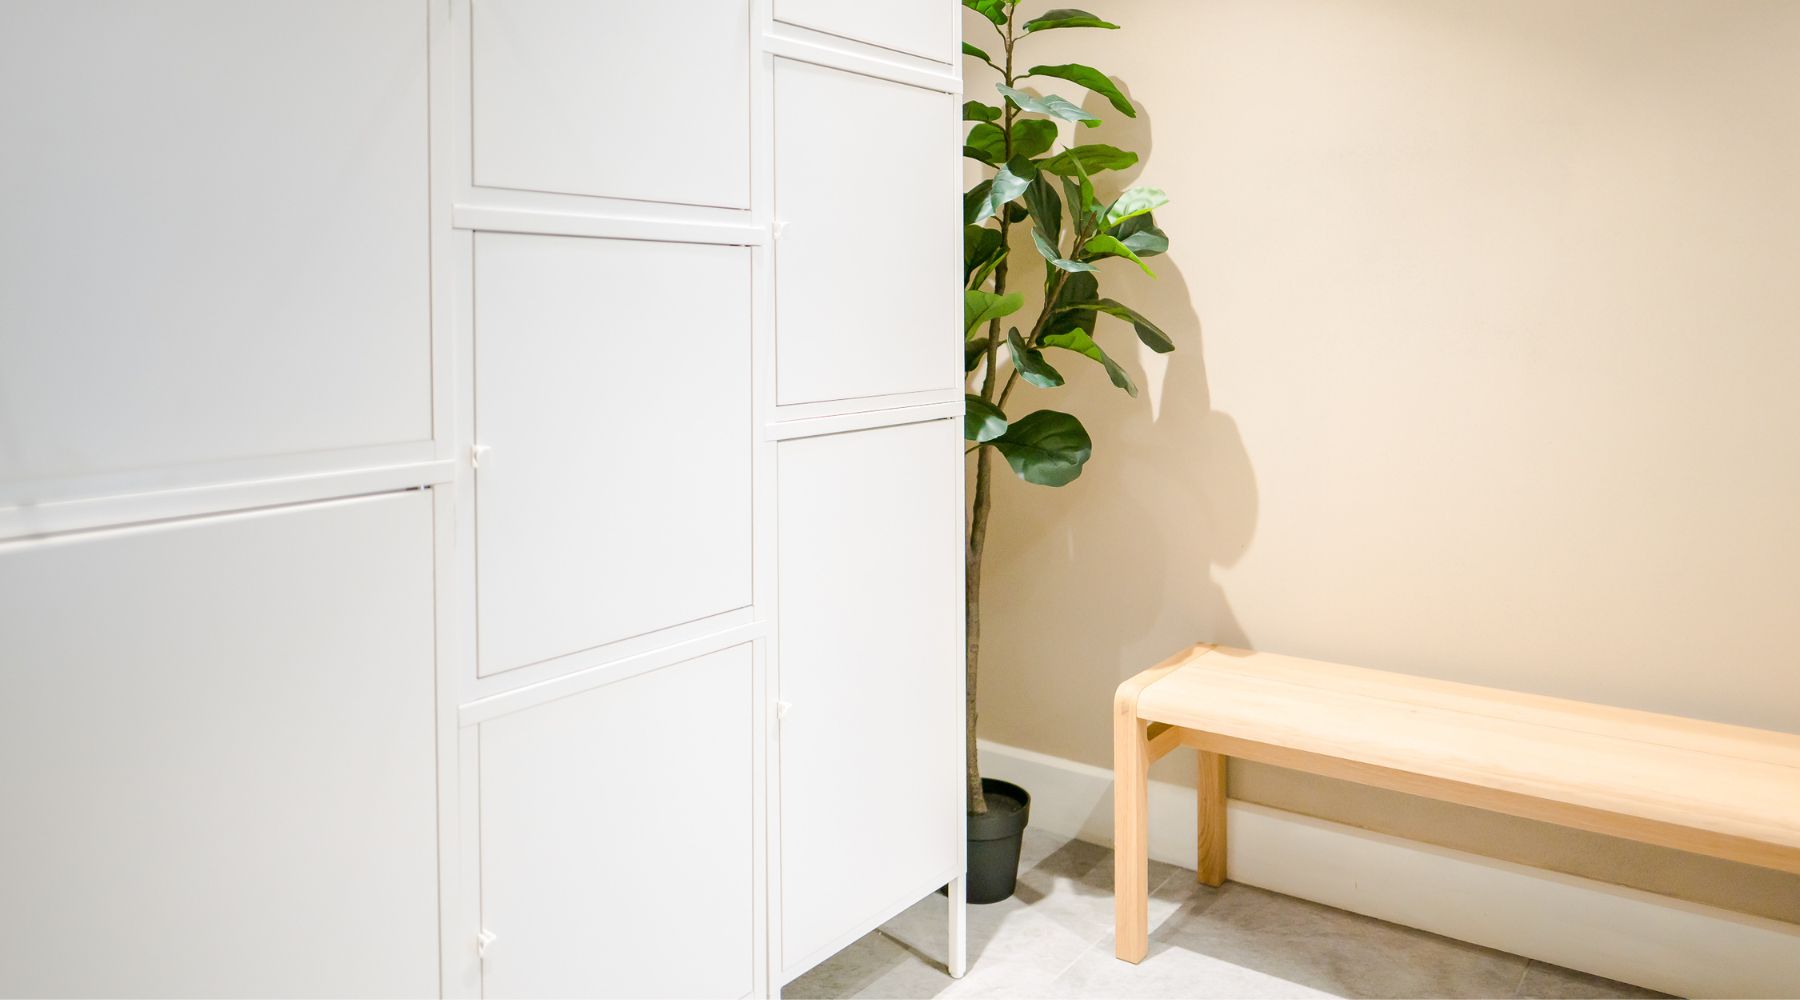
{"type": "Point", "coordinates": [463, 527]}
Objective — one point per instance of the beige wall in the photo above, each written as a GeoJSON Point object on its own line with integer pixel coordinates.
{"type": "Point", "coordinates": [1489, 369]}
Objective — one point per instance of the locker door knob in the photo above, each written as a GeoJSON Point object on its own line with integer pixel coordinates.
{"type": "Point", "coordinates": [483, 941]}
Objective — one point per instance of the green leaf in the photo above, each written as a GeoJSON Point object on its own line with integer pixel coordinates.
{"type": "Point", "coordinates": [993, 10]}
{"type": "Point", "coordinates": [1063, 17]}
{"type": "Point", "coordinates": [973, 200]}
{"type": "Point", "coordinates": [1055, 257]}
{"type": "Point", "coordinates": [980, 306]}
{"type": "Point", "coordinates": [1032, 136]}
{"type": "Point", "coordinates": [1045, 207]}
{"type": "Point", "coordinates": [986, 143]}
{"type": "Point", "coordinates": [1047, 448]}
{"type": "Point", "coordinates": [1078, 341]}
{"type": "Point", "coordinates": [1030, 362]}
{"type": "Point", "coordinates": [1140, 234]}
{"type": "Point", "coordinates": [970, 50]}
{"type": "Point", "coordinates": [973, 352]}
{"type": "Point", "coordinates": [1098, 156]}
{"type": "Point", "coordinates": [1148, 332]}
{"type": "Point", "coordinates": [1016, 213]}
{"type": "Point", "coordinates": [1005, 186]}
{"type": "Point", "coordinates": [982, 420]}
{"type": "Point", "coordinates": [1049, 104]}
{"type": "Point", "coordinates": [1108, 246]}
{"type": "Point", "coordinates": [1134, 202]}
{"type": "Point", "coordinates": [982, 250]}
{"type": "Point", "coordinates": [1078, 289]}
{"type": "Point", "coordinates": [975, 111]}
{"type": "Point", "coordinates": [1092, 79]}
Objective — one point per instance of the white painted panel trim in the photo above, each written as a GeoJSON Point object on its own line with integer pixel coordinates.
{"type": "Point", "coordinates": [1626, 934]}
{"type": "Point", "coordinates": [571, 222]}
{"type": "Point", "coordinates": [249, 485]}
{"type": "Point", "coordinates": [826, 50]}
{"type": "Point", "coordinates": [784, 430]}
{"type": "Point", "coordinates": [508, 702]}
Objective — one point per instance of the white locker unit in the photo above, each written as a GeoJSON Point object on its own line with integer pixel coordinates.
{"type": "Point", "coordinates": [463, 528]}
{"type": "Point", "coordinates": [217, 747]}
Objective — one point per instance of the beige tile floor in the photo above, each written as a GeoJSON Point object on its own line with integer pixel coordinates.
{"type": "Point", "coordinates": [1054, 939]}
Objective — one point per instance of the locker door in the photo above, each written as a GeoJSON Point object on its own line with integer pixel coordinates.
{"type": "Point", "coordinates": [871, 747]}
{"type": "Point", "coordinates": [616, 838]}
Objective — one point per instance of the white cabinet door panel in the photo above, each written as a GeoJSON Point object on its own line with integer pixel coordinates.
{"type": "Point", "coordinates": [213, 243]}
{"type": "Point", "coordinates": [864, 162]}
{"type": "Point", "coordinates": [922, 27]}
{"type": "Point", "coordinates": [217, 757]}
{"type": "Point", "coordinates": [616, 838]}
{"type": "Point", "coordinates": [871, 747]}
{"type": "Point", "coordinates": [648, 101]}
{"type": "Point", "coordinates": [612, 386]}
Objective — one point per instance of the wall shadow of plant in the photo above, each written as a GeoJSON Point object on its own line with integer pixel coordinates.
{"type": "Point", "coordinates": [1097, 580]}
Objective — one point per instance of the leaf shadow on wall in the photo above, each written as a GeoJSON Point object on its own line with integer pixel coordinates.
{"type": "Point", "coordinates": [1093, 582]}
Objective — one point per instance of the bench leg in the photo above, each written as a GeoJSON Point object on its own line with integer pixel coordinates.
{"type": "Point", "coordinates": [1212, 818]}
{"type": "Point", "coordinates": [1131, 837]}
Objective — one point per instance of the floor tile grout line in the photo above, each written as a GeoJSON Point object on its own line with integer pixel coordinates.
{"type": "Point", "coordinates": [1519, 986]}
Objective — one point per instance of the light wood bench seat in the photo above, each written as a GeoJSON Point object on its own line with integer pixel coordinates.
{"type": "Point", "coordinates": [1714, 789]}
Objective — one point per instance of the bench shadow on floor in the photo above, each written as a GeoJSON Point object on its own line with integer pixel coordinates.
{"type": "Point", "coordinates": [1054, 939]}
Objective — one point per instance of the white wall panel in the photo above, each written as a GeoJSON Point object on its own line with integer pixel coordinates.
{"type": "Point", "coordinates": [865, 321]}
{"type": "Point", "coordinates": [648, 101]}
{"type": "Point", "coordinates": [871, 748]}
{"type": "Point", "coordinates": [921, 27]}
{"type": "Point", "coordinates": [616, 841]}
{"type": "Point", "coordinates": [217, 757]}
{"type": "Point", "coordinates": [613, 389]}
{"type": "Point", "coordinates": [213, 243]}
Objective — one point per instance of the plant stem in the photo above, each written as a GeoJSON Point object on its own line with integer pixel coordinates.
{"type": "Point", "coordinates": [984, 497]}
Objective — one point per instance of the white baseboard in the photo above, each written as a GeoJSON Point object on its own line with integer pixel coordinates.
{"type": "Point", "coordinates": [1636, 937]}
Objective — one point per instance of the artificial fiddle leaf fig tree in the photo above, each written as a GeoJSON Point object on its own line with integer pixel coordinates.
{"type": "Point", "coordinates": [1031, 183]}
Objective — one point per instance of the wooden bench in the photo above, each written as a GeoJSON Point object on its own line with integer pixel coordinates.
{"type": "Point", "coordinates": [1704, 787]}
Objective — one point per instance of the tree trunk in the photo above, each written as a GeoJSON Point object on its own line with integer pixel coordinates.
{"type": "Point", "coordinates": [972, 567]}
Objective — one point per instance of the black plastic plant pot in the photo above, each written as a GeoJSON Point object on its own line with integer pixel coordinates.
{"type": "Point", "coordinates": [994, 839]}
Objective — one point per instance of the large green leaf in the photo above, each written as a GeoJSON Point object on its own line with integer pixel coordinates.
{"type": "Point", "coordinates": [1109, 246]}
{"type": "Point", "coordinates": [1055, 257]}
{"type": "Point", "coordinates": [973, 352]}
{"type": "Point", "coordinates": [1148, 332]}
{"type": "Point", "coordinates": [1064, 17]}
{"type": "Point", "coordinates": [975, 111]}
{"type": "Point", "coordinates": [1092, 79]}
{"type": "Point", "coordinates": [1032, 136]}
{"type": "Point", "coordinates": [987, 143]}
{"type": "Point", "coordinates": [1045, 206]}
{"type": "Point", "coordinates": [982, 250]}
{"type": "Point", "coordinates": [1140, 234]}
{"type": "Point", "coordinates": [1046, 447]}
{"type": "Point", "coordinates": [993, 10]}
{"type": "Point", "coordinates": [973, 200]}
{"type": "Point", "coordinates": [1077, 340]}
{"type": "Point", "coordinates": [1030, 362]}
{"type": "Point", "coordinates": [1049, 104]}
{"type": "Point", "coordinates": [982, 420]}
{"type": "Point", "coordinates": [970, 50]}
{"type": "Point", "coordinates": [981, 306]}
{"type": "Point", "coordinates": [1005, 186]}
{"type": "Point", "coordinates": [1134, 202]}
{"type": "Point", "coordinates": [1078, 289]}
{"type": "Point", "coordinates": [1097, 156]}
